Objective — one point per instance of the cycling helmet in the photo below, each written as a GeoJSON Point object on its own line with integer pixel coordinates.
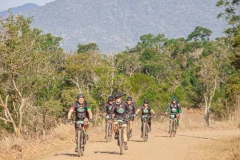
{"type": "Point", "coordinates": [118, 95]}
{"type": "Point", "coordinates": [174, 98]}
{"type": "Point", "coordinates": [145, 101]}
{"type": "Point", "coordinates": [80, 96]}
{"type": "Point", "coordinates": [110, 98]}
{"type": "Point", "coordinates": [129, 98]}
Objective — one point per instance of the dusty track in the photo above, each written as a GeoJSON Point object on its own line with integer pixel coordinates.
{"type": "Point", "coordinates": [159, 146]}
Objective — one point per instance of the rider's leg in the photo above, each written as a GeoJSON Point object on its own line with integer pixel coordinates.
{"type": "Point", "coordinates": [125, 136]}
{"type": "Point", "coordinates": [150, 124]}
{"type": "Point", "coordinates": [86, 125]}
{"type": "Point", "coordinates": [178, 119]}
{"type": "Point", "coordinates": [105, 128]}
{"type": "Point", "coordinates": [142, 130]}
{"type": "Point", "coordinates": [115, 128]}
{"type": "Point", "coordinates": [130, 125]}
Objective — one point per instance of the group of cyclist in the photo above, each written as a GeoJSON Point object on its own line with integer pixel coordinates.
{"type": "Point", "coordinates": [118, 109]}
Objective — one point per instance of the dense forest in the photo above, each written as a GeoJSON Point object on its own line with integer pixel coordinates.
{"type": "Point", "coordinates": [39, 80]}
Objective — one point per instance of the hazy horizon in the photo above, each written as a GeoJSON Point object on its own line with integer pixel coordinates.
{"type": "Point", "coordinates": [5, 5]}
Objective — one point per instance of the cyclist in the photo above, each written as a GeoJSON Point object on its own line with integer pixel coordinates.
{"type": "Point", "coordinates": [120, 109]}
{"type": "Point", "coordinates": [146, 110]}
{"type": "Point", "coordinates": [174, 108]}
{"type": "Point", "coordinates": [132, 106]}
{"type": "Point", "coordinates": [83, 113]}
{"type": "Point", "coordinates": [107, 108]}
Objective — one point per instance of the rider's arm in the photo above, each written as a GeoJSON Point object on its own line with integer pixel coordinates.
{"type": "Point", "coordinates": [179, 109]}
{"type": "Point", "coordinates": [71, 110]}
{"type": "Point", "coordinates": [104, 109]}
{"type": "Point", "coordinates": [168, 108]}
{"type": "Point", "coordinates": [112, 111]}
{"type": "Point", "coordinates": [138, 110]}
{"type": "Point", "coordinates": [89, 112]}
{"type": "Point", "coordinates": [152, 111]}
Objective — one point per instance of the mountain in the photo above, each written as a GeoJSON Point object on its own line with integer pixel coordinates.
{"type": "Point", "coordinates": [20, 9]}
{"type": "Point", "coordinates": [115, 24]}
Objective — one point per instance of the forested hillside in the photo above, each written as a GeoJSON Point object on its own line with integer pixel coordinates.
{"type": "Point", "coordinates": [39, 80]}
{"type": "Point", "coordinates": [115, 24]}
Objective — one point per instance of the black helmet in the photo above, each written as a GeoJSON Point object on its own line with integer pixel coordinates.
{"type": "Point", "coordinates": [80, 96]}
{"type": "Point", "coordinates": [129, 98]}
{"type": "Point", "coordinates": [118, 95]}
{"type": "Point", "coordinates": [110, 98]}
{"type": "Point", "coordinates": [145, 101]}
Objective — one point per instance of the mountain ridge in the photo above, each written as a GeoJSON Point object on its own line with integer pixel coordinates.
{"type": "Point", "coordinates": [19, 9]}
{"type": "Point", "coordinates": [115, 24]}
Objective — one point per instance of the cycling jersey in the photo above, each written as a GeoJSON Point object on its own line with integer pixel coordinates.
{"type": "Point", "coordinates": [132, 108]}
{"type": "Point", "coordinates": [174, 108]}
{"type": "Point", "coordinates": [146, 110]}
{"type": "Point", "coordinates": [107, 108]}
{"type": "Point", "coordinates": [81, 110]}
{"type": "Point", "coordinates": [120, 110]}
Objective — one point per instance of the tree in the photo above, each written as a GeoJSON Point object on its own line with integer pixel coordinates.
{"type": "Point", "coordinates": [199, 34]}
{"type": "Point", "coordinates": [87, 47]}
{"type": "Point", "coordinates": [24, 62]}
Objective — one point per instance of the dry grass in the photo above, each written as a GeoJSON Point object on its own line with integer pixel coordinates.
{"type": "Point", "coordinates": [220, 149]}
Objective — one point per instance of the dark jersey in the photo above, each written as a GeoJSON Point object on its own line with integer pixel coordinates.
{"type": "Point", "coordinates": [107, 108]}
{"type": "Point", "coordinates": [81, 110]}
{"type": "Point", "coordinates": [132, 108]}
{"type": "Point", "coordinates": [120, 110]}
{"type": "Point", "coordinates": [174, 108]}
{"type": "Point", "coordinates": [146, 110]}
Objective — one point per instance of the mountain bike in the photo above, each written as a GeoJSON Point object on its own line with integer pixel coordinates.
{"type": "Point", "coordinates": [81, 139]}
{"type": "Point", "coordinates": [129, 132]}
{"type": "Point", "coordinates": [172, 125]}
{"type": "Point", "coordinates": [120, 132]}
{"type": "Point", "coordinates": [145, 127]}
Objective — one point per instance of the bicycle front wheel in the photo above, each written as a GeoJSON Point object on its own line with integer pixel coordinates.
{"type": "Point", "coordinates": [120, 140]}
{"type": "Point", "coordinates": [82, 139]}
{"type": "Point", "coordinates": [171, 128]}
{"type": "Point", "coordinates": [79, 143]}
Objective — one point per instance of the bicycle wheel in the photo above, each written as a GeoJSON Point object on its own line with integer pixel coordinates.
{"type": "Point", "coordinates": [107, 132]}
{"type": "Point", "coordinates": [82, 138]}
{"type": "Point", "coordinates": [171, 128]}
{"type": "Point", "coordinates": [79, 143]}
{"type": "Point", "coordinates": [128, 131]}
{"type": "Point", "coordinates": [144, 132]}
{"type": "Point", "coordinates": [110, 132]}
{"type": "Point", "coordinates": [120, 140]}
{"type": "Point", "coordinates": [175, 129]}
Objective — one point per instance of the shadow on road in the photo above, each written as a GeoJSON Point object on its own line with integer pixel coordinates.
{"type": "Point", "coordinates": [136, 140]}
{"type": "Point", "coordinates": [66, 154]}
{"type": "Point", "coordinates": [106, 152]}
{"type": "Point", "coordinates": [196, 137]}
{"type": "Point", "coordinates": [100, 141]}
{"type": "Point", "coordinates": [161, 136]}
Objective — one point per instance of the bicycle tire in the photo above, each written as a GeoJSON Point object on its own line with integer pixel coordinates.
{"type": "Point", "coordinates": [79, 143]}
{"type": "Point", "coordinates": [82, 138]}
{"type": "Point", "coordinates": [171, 128]}
{"type": "Point", "coordinates": [144, 132]}
{"type": "Point", "coordinates": [120, 134]}
{"type": "Point", "coordinates": [107, 133]}
{"type": "Point", "coordinates": [175, 129]}
{"type": "Point", "coordinates": [110, 132]}
{"type": "Point", "coordinates": [128, 131]}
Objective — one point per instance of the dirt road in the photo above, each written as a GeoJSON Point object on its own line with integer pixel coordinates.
{"type": "Point", "coordinates": [159, 146]}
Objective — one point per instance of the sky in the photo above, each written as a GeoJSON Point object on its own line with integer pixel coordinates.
{"type": "Point", "coordinates": [6, 4]}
